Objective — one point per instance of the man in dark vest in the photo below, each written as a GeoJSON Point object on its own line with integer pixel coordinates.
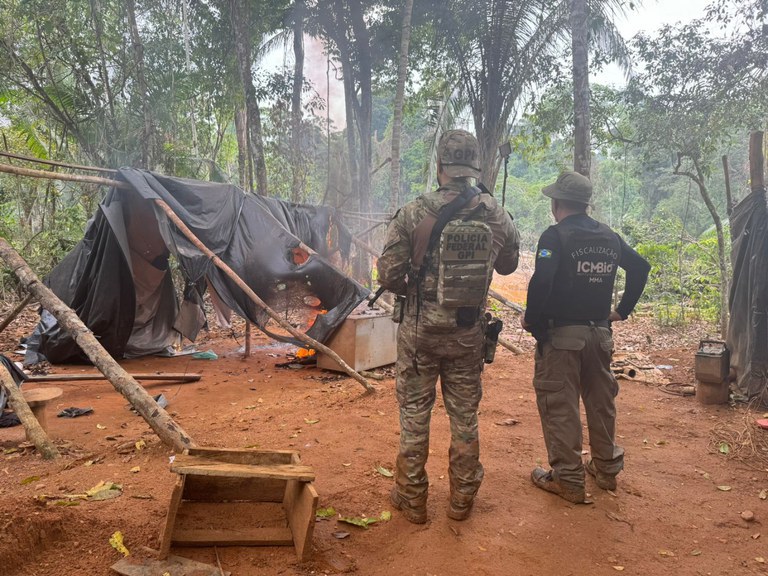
{"type": "Point", "coordinates": [569, 313]}
{"type": "Point", "coordinates": [439, 256]}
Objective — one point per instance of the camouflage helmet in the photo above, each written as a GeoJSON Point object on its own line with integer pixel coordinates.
{"type": "Point", "coordinates": [459, 154]}
{"type": "Point", "coordinates": [570, 186]}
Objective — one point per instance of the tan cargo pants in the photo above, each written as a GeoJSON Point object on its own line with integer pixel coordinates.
{"type": "Point", "coordinates": [576, 362]}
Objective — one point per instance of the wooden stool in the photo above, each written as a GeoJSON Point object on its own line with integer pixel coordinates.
{"type": "Point", "coordinates": [37, 399]}
{"type": "Point", "coordinates": [230, 497]}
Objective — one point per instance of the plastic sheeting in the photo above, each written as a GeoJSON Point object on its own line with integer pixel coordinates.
{"type": "Point", "coordinates": [118, 280]}
{"type": "Point", "coordinates": [748, 303]}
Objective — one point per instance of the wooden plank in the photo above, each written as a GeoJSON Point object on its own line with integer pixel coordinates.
{"type": "Point", "coordinates": [186, 464]}
{"type": "Point", "coordinates": [300, 504]}
{"type": "Point", "coordinates": [175, 565]}
{"type": "Point", "coordinates": [219, 489]}
{"type": "Point", "coordinates": [170, 518]}
{"type": "Point", "coordinates": [245, 456]}
{"type": "Point", "coordinates": [229, 537]}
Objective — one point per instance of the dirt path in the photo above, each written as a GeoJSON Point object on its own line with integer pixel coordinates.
{"type": "Point", "coordinates": [667, 516]}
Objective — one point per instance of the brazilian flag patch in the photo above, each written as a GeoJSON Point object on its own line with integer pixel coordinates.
{"type": "Point", "coordinates": [544, 253]}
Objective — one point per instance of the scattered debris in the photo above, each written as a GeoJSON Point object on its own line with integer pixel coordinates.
{"type": "Point", "coordinates": [384, 472]}
{"type": "Point", "coordinates": [508, 422]}
{"type": "Point", "coordinates": [74, 412]}
{"type": "Point", "coordinates": [116, 540]}
{"type": "Point", "coordinates": [748, 516]}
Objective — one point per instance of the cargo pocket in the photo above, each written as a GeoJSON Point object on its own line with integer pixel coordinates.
{"type": "Point", "coordinates": [548, 399]}
{"type": "Point", "coordinates": [548, 385]}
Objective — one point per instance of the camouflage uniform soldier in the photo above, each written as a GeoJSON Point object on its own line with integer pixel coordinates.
{"type": "Point", "coordinates": [443, 290]}
{"type": "Point", "coordinates": [569, 313]}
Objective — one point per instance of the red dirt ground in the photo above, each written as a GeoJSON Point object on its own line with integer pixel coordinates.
{"type": "Point", "coordinates": [667, 516]}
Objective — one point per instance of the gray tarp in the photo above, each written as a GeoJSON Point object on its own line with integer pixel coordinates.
{"type": "Point", "coordinates": [748, 303]}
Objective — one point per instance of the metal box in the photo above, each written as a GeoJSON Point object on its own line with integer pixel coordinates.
{"type": "Point", "coordinates": [367, 339]}
{"type": "Point", "coordinates": [712, 362]}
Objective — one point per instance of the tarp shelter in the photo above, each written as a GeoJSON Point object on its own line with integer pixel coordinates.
{"type": "Point", "coordinates": [119, 281]}
{"type": "Point", "coordinates": [748, 303]}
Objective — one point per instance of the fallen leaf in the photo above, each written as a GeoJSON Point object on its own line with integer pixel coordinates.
{"type": "Point", "coordinates": [101, 426]}
{"type": "Point", "coordinates": [482, 549]}
{"type": "Point", "coordinates": [66, 503]}
{"type": "Point", "coordinates": [308, 421]}
{"type": "Point", "coordinates": [386, 516]}
{"type": "Point", "coordinates": [756, 535]}
{"type": "Point", "coordinates": [140, 445]}
{"type": "Point", "coordinates": [724, 448]}
{"type": "Point", "coordinates": [29, 480]}
{"type": "Point", "coordinates": [104, 491]}
{"type": "Point", "coordinates": [763, 494]}
{"type": "Point", "coordinates": [328, 512]}
{"type": "Point", "coordinates": [619, 568]}
{"type": "Point", "coordinates": [384, 472]}
{"type": "Point", "coordinates": [346, 464]}
{"type": "Point", "coordinates": [340, 535]}
{"type": "Point", "coordinates": [117, 543]}
{"type": "Point", "coordinates": [136, 469]}
{"type": "Point", "coordinates": [661, 443]}
{"type": "Point", "coordinates": [696, 553]}
{"type": "Point", "coordinates": [724, 488]}
{"type": "Point", "coordinates": [760, 559]}
{"type": "Point", "coordinates": [361, 522]}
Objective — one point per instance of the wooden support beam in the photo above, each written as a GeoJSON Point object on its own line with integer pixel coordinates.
{"type": "Point", "coordinates": [32, 427]}
{"type": "Point", "coordinates": [157, 418]}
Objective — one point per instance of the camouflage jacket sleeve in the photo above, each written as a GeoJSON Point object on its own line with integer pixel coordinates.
{"type": "Point", "coordinates": [395, 261]}
{"type": "Point", "coordinates": [509, 254]}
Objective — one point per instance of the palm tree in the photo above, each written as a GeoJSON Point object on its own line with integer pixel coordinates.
{"type": "Point", "coordinates": [506, 48]}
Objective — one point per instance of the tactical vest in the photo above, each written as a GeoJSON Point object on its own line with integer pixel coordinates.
{"type": "Point", "coordinates": [464, 267]}
{"type": "Point", "coordinates": [583, 286]}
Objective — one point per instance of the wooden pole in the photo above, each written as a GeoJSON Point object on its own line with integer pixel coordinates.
{"type": "Point", "coordinates": [32, 427]}
{"type": "Point", "coordinates": [89, 377]}
{"type": "Point", "coordinates": [258, 301]}
{"type": "Point", "coordinates": [496, 296]}
{"type": "Point", "coordinates": [247, 353]}
{"type": "Point", "coordinates": [15, 312]}
{"type": "Point", "coordinates": [19, 171]}
{"type": "Point", "coordinates": [157, 418]}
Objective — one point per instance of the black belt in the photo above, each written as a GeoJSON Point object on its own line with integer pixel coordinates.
{"type": "Point", "coordinates": [598, 323]}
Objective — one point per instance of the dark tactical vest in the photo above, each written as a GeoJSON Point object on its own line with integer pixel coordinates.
{"type": "Point", "coordinates": [464, 267]}
{"type": "Point", "coordinates": [583, 286]}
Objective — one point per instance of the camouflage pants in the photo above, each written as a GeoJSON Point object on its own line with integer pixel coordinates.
{"type": "Point", "coordinates": [456, 358]}
{"type": "Point", "coordinates": [576, 362]}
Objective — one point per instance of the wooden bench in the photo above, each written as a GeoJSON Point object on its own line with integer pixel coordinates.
{"type": "Point", "coordinates": [231, 497]}
{"type": "Point", "coordinates": [38, 398]}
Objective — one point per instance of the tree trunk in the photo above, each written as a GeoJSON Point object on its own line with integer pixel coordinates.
{"type": "Point", "coordinates": [244, 165]}
{"type": "Point", "coordinates": [397, 120]}
{"type": "Point", "coordinates": [188, 70]}
{"type": "Point", "coordinates": [158, 419]}
{"type": "Point", "coordinates": [298, 83]}
{"type": "Point", "coordinates": [141, 82]}
{"type": "Point", "coordinates": [32, 427]}
{"type": "Point", "coordinates": [240, 16]}
{"type": "Point", "coordinates": [698, 178]}
{"type": "Point", "coordinates": [582, 155]}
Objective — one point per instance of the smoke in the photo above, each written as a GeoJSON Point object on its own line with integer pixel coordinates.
{"type": "Point", "coordinates": [316, 71]}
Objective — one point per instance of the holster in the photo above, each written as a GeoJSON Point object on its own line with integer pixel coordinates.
{"type": "Point", "coordinates": [398, 310]}
{"type": "Point", "coordinates": [493, 328]}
